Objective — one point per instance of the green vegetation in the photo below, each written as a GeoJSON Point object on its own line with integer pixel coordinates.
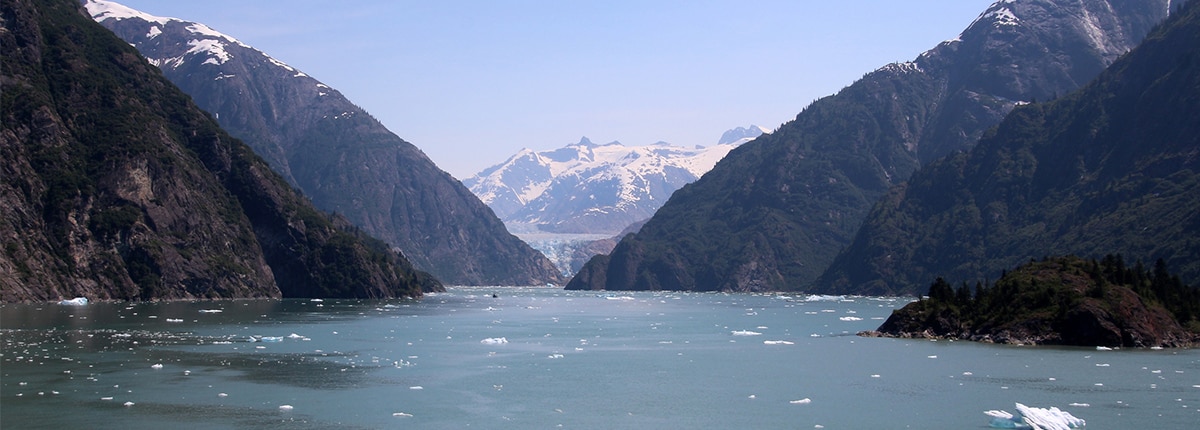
{"type": "Point", "coordinates": [1061, 300]}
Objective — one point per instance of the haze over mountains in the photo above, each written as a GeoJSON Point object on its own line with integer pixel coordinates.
{"type": "Point", "coordinates": [590, 188]}
{"type": "Point", "coordinates": [774, 213]}
{"type": "Point", "coordinates": [336, 153]}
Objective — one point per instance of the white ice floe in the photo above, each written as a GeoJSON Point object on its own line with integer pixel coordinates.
{"type": "Point", "coordinates": [1034, 418]}
{"type": "Point", "coordinates": [210, 311]}
{"type": "Point", "coordinates": [128, 404]}
{"type": "Point", "coordinates": [401, 414]}
{"type": "Point", "coordinates": [803, 401]}
{"type": "Point", "coordinates": [850, 319]}
{"type": "Point", "coordinates": [745, 333]}
{"type": "Point", "coordinates": [78, 301]}
{"type": "Point", "coordinates": [494, 341]}
{"type": "Point", "coordinates": [157, 366]}
{"type": "Point", "coordinates": [174, 320]}
{"type": "Point", "coordinates": [285, 407]}
{"type": "Point", "coordinates": [294, 336]}
{"type": "Point", "coordinates": [778, 342]}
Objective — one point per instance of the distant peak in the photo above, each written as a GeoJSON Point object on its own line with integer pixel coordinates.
{"type": "Point", "coordinates": [584, 141]}
{"type": "Point", "coordinates": [734, 135]}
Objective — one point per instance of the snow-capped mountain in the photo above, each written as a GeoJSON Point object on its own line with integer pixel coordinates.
{"type": "Point", "coordinates": [336, 153]}
{"type": "Point", "coordinates": [595, 188]}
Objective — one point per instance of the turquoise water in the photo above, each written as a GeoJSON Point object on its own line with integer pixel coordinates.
{"type": "Point", "coordinates": [567, 360]}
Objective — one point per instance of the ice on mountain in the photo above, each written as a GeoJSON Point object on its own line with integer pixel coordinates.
{"type": "Point", "coordinates": [78, 301]}
{"type": "Point", "coordinates": [1034, 418]}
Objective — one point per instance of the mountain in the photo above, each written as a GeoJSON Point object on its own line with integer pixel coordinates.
{"type": "Point", "coordinates": [336, 153]}
{"type": "Point", "coordinates": [773, 214]}
{"type": "Point", "coordinates": [1112, 168]}
{"type": "Point", "coordinates": [1059, 301]}
{"type": "Point", "coordinates": [116, 186]}
{"type": "Point", "coordinates": [592, 188]}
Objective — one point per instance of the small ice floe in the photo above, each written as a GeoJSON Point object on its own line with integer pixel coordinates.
{"type": "Point", "coordinates": [285, 408]}
{"type": "Point", "coordinates": [850, 318]}
{"type": "Point", "coordinates": [494, 341]}
{"type": "Point", "coordinates": [416, 387]}
{"type": "Point", "coordinates": [294, 336]}
{"type": "Point", "coordinates": [931, 356]}
{"type": "Point", "coordinates": [1079, 405]}
{"type": "Point", "coordinates": [78, 301]}
{"type": "Point", "coordinates": [803, 401]}
{"type": "Point", "coordinates": [778, 342]}
{"type": "Point", "coordinates": [222, 395]}
{"type": "Point", "coordinates": [1103, 348]}
{"type": "Point", "coordinates": [156, 366]}
{"type": "Point", "coordinates": [745, 333]}
{"type": "Point", "coordinates": [128, 404]}
{"type": "Point", "coordinates": [210, 311]}
{"type": "Point", "coordinates": [272, 339]}
{"type": "Point", "coordinates": [751, 397]}
{"type": "Point", "coordinates": [555, 355]}
{"type": "Point", "coordinates": [174, 320]}
{"type": "Point", "coordinates": [106, 398]}
{"type": "Point", "coordinates": [622, 298]}
{"type": "Point", "coordinates": [1034, 418]}
{"type": "Point", "coordinates": [401, 414]}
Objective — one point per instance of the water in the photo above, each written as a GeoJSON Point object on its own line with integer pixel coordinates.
{"type": "Point", "coordinates": [571, 360]}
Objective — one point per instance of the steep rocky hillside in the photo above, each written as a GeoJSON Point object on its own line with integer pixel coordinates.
{"type": "Point", "coordinates": [774, 213]}
{"type": "Point", "coordinates": [345, 160]}
{"type": "Point", "coordinates": [116, 186]}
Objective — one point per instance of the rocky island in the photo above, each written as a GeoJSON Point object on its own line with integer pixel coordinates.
{"type": "Point", "coordinates": [1059, 301]}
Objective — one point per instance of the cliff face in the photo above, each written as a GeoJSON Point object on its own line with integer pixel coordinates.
{"type": "Point", "coordinates": [345, 160]}
{"type": "Point", "coordinates": [1111, 168]}
{"type": "Point", "coordinates": [774, 212]}
{"type": "Point", "coordinates": [116, 186]}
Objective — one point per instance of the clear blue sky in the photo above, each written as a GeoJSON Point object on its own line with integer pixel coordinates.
{"type": "Point", "coordinates": [472, 82]}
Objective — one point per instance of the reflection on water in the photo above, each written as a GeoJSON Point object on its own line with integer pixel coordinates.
{"type": "Point", "coordinates": [576, 359]}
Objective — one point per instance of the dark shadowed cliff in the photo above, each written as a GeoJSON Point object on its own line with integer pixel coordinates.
{"type": "Point", "coordinates": [116, 186]}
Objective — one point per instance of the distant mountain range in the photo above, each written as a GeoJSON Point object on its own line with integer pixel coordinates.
{"type": "Point", "coordinates": [333, 151]}
{"type": "Point", "coordinates": [775, 212]}
{"type": "Point", "coordinates": [115, 186]}
{"type": "Point", "coordinates": [595, 188]}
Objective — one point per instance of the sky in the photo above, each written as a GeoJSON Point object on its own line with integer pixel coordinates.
{"type": "Point", "coordinates": [470, 83]}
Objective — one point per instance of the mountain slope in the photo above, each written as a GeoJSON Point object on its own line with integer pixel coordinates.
{"type": "Point", "coordinates": [116, 186]}
{"type": "Point", "coordinates": [775, 211]}
{"type": "Point", "coordinates": [335, 152]}
{"type": "Point", "coordinates": [591, 188]}
{"type": "Point", "coordinates": [1112, 168]}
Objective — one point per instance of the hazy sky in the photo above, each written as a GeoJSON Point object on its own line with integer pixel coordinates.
{"type": "Point", "coordinates": [472, 82]}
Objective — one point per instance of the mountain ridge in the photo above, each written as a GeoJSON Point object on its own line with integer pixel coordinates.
{"type": "Point", "coordinates": [344, 159]}
{"type": "Point", "coordinates": [773, 213]}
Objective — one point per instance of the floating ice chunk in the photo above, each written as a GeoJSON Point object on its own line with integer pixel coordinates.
{"type": "Point", "coordinates": [850, 319]}
{"type": "Point", "coordinates": [128, 404]}
{"type": "Point", "coordinates": [210, 311]}
{"type": "Point", "coordinates": [494, 341]}
{"type": "Point", "coordinates": [106, 398]}
{"type": "Point", "coordinates": [803, 401]}
{"type": "Point", "coordinates": [272, 339]}
{"type": "Point", "coordinates": [745, 333]}
{"type": "Point", "coordinates": [285, 408]}
{"type": "Point", "coordinates": [1103, 348]}
{"type": "Point", "coordinates": [78, 301]}
{"type": "Point", "coordinates": [1034, 418]}
{"type": "Point", "coordinates": [222, 395]}
{"type": "Point", "coordinates": [294, 336]}
{"type": "Point", "coordinates": [778, 342]}
{"type": "Point", "coordinates": [401, 414]}
{"type": "Point", "coordinates": [1079, 405]}
{"type": "Point", "coordinates": [555, 355]}
{"type": "Point", "coordinates": [174, 320]}
{"type": "Point", "coordinates": [416, 387]}
{"type": "Point", "coordinates": [157, 366]}
{"type": "Point", "coordinates": [622, 298]}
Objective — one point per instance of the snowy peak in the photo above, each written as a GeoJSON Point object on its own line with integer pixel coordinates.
{"type": "Point", "coordinates": [595, 188]}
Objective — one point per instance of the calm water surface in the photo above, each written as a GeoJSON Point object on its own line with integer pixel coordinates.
{"type": "Point", "coordinates": [548, 358]}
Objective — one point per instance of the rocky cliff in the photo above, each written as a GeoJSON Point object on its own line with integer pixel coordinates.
{"type": "Point", "coordinates": [774, 213]}
{"type": "Point", "coordinates": [116, 186]}
{"type": "Point", "coordinates": [346, 161]}
{"type": "Point", "coordinates": [1111, 168]}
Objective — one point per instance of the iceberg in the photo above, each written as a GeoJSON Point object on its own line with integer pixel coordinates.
{"type": "Point", "coordinates": [1034, 418]}
{"type": "Point", "coordinates": [745, 333]}
{"type": "Point", "coordinates": [494, 341]}
{"type": "Point", "coordinates": [78, 301]}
